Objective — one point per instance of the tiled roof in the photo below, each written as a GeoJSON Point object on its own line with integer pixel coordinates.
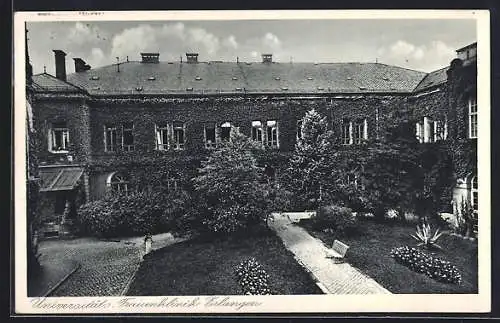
{"type": "Point", "coordinates": [47, 83]}
{"type": "Point", "coordinates": [231, 77]}
{"type": "Point", "coordinates": [433, 79]}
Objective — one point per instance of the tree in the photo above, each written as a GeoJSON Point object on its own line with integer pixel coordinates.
{"type": "Point", "coordinates": [308, 168]}
{"type": "Point", "coordinates": [231, 189]}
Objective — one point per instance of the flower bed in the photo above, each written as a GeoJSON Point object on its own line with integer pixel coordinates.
{"type": "Point", "coordinates": [253, 278]}
{"type": "Point", "coordinates": [418, 261]}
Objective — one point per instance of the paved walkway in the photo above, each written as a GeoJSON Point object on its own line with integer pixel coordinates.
{"type": "Point", "coordinates": [105, 266]}
{"type": "Point", "coordinates": [311, 253]}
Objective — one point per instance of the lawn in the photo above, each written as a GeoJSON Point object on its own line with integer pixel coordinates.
{"type": "Point", "coordinates": [370, 252]}
{"type": "Point", "coordinates": [198, 267]}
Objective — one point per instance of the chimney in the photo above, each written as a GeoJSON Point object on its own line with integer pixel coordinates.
{"type": "Point", "coordinates": [60, 64]}
{"type": "Point", "coordinates": [192, 57]}
{"type": "Point", "coordinates": [267, 58]}
{"type": "Point", "coordinates": [150, 58]}
{"type": "Point", "coordinates": [80, 65]}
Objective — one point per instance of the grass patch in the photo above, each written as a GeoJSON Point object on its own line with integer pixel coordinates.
{"type": "Point", "coordinates": [370, 252]}
{"type": "Point", "coordinates": [200, 267]}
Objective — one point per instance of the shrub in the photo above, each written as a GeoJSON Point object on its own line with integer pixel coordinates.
{"type": "Point", "coordinates": [230, 189]}
{"type": "Point", "coordinates": [136, 213]}
{"type": "Point", "coordinates": [421, 262]}
{"type": "Point", "coordinates": [334, 218]}
{"type": "Point", "coordinates": [253, 278]}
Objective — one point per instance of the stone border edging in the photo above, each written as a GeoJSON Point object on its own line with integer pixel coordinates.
{"type": "Point", "coordinates": [51, 290]}
{"type": "Point", "coordinates": [132, 277]}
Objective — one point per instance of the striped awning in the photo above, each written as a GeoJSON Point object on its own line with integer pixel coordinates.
{"type": "Point", "coordinates": [59, 178]}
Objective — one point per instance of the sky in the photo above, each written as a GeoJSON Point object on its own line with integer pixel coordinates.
{"type": "Point", "coordinates": [419, 44]}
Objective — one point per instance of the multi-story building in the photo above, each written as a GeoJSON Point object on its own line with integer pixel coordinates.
{"type": "Point", "coordinates": [97, 124]}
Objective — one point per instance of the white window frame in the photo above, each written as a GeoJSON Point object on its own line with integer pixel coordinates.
{"type": "Point", "coordinates": [112, 135]}
{"type": "Point", "coordinates": [176, 143]}
{"type": "Point", "coordinates": [474, 192]}
{"type": "Point", "coordinates": [346, 136]}
{"type": "Point", "coordinates": [210, 145]}
{"type": "Point", "coordinates": [257, 131]}
{"type": "Point", "coordinates": [472, 103]}
{"type": "Point", "coordinates": [299, 130]}
{"type": "Point", "coordinates": [128, 129]}
{"type": "Point", "coordinates": [360, 130]}
{"type": "Point", "coordinates": [117, 183]}
{"type": "Point", "coordinates": [226, 124]}
{"type": "Point", "coordinates": [160, 136]}
{"type": "Point", "coordinates": [272, 125]}
{"type": "Point", "coordinates": [52, 139]}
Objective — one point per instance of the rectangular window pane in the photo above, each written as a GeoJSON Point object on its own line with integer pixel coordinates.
{"type": "Point", "coordinates": [257, 131]}
{"type": "Point", "coordinates": [210, 136]}
{"type": "Point", "coordinates": [128, 137]}
{"type": "Point", "coordinates": [225, 132]}
{"type": "Point", "coordinates": [345, 133]}
{"type": "Point", "coordinates": [272, 133]}
{"type": "Point", "coordinates": [299, 129]}
{"type": "Point", "coordinates": [110, 134]}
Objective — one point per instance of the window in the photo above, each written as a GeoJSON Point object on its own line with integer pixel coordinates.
{"type": "Point", "coordinates": [257, 131]}
{"type": "Point", "coordinates": [359, 132]}
{"type": "Point", "coordinates": [128, 136]}
{"type": "Point", "coordinates": [474, 193]}
{"type": "Point", "coordinates": [299, 129]}
{"type": "Point", "coordinates": [272, 133]}
{"type": "Point", "coordinates": [161, 137]}
{"type": "Point", "coordinates": [428, 130]}
{"type": "Point", "coordinates": [179, 135]}
{"type": "Point", "coordinates": [118, 183]}
{"type": "Point", "coordinates": [346, 132]}
{"type": "Point", "coordinates": [109, 138]}
{"type": "Point", "coordinates": [225, 131]}
{"type": "Point", "coordinates": [472, 117]}
{"type": "Point", "coordinates": [59, 137]}
{"type": "Point", "coordinates": [210, 141]}
{"type": "Point", "coordinates": [172, 184]}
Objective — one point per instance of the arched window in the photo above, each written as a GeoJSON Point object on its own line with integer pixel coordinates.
{"type": "Point", "coordinates": [118, 183]}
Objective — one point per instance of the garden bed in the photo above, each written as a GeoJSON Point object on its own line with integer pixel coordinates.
{"type": "Point", "coordinates": [370, 252]}
{"type": "Point", "coordinates": [198, 267]}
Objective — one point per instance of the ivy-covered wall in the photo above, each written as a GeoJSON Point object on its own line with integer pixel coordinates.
{"type": "Point", "coordinates": [75, 112]}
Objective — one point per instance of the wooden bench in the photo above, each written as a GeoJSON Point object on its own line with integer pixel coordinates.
{"type": "Point", "coordinates": [337, 251]}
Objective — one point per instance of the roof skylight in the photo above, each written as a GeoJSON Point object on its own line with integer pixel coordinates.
{"type": "Point", "coordinates": [198, 78]}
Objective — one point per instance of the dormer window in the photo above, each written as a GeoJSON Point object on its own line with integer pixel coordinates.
{"type": "Point", "coordinates": [320, 88]}
{"type": "Point", "coordinates": [138, 89]}
{"type": "Point", "coordinates": [189, 89]}
{"type": "Point", "coordinates": [310, 78]}
{"type": "Point", "coordinates": [59, 138]}
{"type": "Point", "coordinates": [151, 78]}
{"type": "Point", "coordinates": [239, 89]}
{"type": "Point", "coordinates": [198, 78]}
{"type": "Point", "coordinates": [277, 78]}
{"type": "Point", "coordinates": [234, 78]}
{"type": "Point", "coordinates": [94, 78]}
{"type": "Point", "coordinates": [284, 89]}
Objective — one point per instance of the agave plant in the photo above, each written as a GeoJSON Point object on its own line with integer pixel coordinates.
{"type": "Point", "coordinates": [426, 238]}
